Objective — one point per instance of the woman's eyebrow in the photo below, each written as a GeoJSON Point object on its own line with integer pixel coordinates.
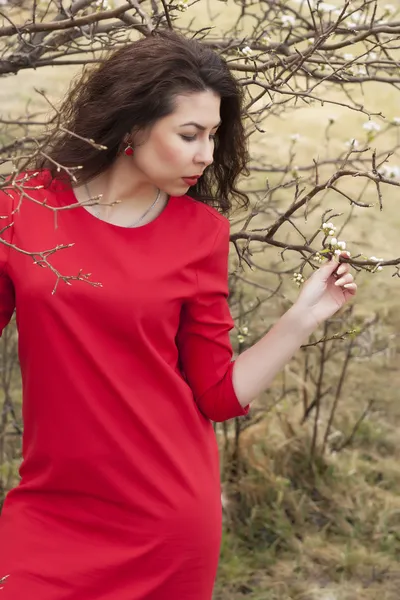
{"type": "Point", "coordinates": [200, 127]}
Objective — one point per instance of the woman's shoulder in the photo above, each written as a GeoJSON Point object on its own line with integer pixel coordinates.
{"type": "Point", "coordinates": [200, 214]}
{"type": "Point", "coordinates": [13, 187]}
{"type": "Point", "coordinates": [31, 183]}
{"type": "Point", "coordinates": [23, 197]}
{"type": "Point", "coordinates": [199, 226]}
{"type": "Point", "coordinates": [43, 180]}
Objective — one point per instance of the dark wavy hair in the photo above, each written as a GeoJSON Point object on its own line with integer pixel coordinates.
{"type": "Point", "coordinates": [131, 90]}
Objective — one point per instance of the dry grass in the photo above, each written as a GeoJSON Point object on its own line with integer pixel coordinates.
{"type": "Point", "coordinates": [296, 533]}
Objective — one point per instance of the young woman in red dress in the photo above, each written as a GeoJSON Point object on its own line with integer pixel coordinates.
{"type": "Point", "coordinates": [119, 497]}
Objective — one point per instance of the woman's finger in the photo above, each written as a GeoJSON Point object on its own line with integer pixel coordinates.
{"type": "Point", "coordinates": [342, 268]}
{"type": "Point", "coordinates": [350, 287]}
{"type": "Point", "coordinates": [344, 280]}
{"type": "Point", "coordinates": [326, 271]}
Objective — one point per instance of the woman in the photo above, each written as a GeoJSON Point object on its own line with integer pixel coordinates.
{"type": "Point", "coordinates": [119, 496]}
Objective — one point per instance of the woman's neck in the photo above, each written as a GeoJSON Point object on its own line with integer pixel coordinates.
{"type": "Point", "coordinates": [122, 183]}
{"type": "Point", "coordinates": [123, 196]}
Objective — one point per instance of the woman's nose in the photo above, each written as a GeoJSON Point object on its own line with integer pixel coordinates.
{"type": "Point", "coordinates": [206, 154]}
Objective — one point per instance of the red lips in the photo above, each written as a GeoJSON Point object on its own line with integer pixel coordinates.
{"type": "Point", "coordinates": [191, 180]}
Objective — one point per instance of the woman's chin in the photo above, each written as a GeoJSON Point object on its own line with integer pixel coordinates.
{"type": "Point", "coordinates": [177, 190]}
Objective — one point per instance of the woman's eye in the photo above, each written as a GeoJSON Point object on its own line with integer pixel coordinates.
{"type": "Point", "coordinates": [191, 138]}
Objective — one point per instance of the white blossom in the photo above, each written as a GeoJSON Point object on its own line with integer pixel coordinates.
{"type": "Point", "coordinates": [373, 55]}
{"type": "Point", "coordinates": [324, 7]}
{"type": "Point", "coordinates": [182, 5]}
{"type": "Point", "coordinates": [246, 51]}
{"type": "Point", "coordinates": [371, 126]}
{"type": "Point", "coordinates": [288, 20]}
{"type": "Point", "coordinates": [318, 257]}
{"type": "Point", "coordinates": [295, 137]}
{"type": "Point", "coordinates": [357, 16]}
{"type": "Point", "coordinates": [389, 171]}
{"type": "Point", "coordinates": [298, 279]}
{"type": "Point", "coordinates": [396, 121]}
{"type": "Point", "coordinates": [347, 56]}
{"type": "Point", "coordinates": [353, 143]}
{"type": "Point", "coordinates": [338, 247]}
{"type": "Point", "coordinates": [328, 226]}
{"type": "Point", "coordinates": [376, 260]}
{"type": "Point", "coordinates": [361, 71]}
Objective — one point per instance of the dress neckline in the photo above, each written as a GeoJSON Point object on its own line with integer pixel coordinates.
{"type": "Point", "coordinates": [85, 214]}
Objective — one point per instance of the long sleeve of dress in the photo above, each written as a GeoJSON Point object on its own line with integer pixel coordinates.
{"type": "Point", "coordinates": [7, 296]}
{"type": "Point", "coordinates": [203, 339]}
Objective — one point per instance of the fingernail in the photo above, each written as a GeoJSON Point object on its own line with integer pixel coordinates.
{"type": "Point", "coordinates": [341, 269]}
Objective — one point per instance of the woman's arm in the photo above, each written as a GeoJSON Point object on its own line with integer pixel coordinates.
{"type": "Point", "coordinates": [323, 294]}
{"type": "Point", "coordinates": [221, 388]}
{"type": "Point", "coordinates": [255, 368]}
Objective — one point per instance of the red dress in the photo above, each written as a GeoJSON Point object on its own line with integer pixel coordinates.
{"type": "Point", "coordinates": [119, 497]}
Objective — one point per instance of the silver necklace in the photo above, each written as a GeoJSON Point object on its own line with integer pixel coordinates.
{"type": "Point", "coordinates": [96, 207]}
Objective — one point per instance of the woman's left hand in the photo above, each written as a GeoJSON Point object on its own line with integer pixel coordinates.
{"type": "Point", "coordinates": [326, 291]}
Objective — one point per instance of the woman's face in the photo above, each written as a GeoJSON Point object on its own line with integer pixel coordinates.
{"type": "Point", "coordinates": [180, 146]}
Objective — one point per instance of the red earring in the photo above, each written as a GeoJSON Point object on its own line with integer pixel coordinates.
{"type": "Point", "coordinates": [128, 150]}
